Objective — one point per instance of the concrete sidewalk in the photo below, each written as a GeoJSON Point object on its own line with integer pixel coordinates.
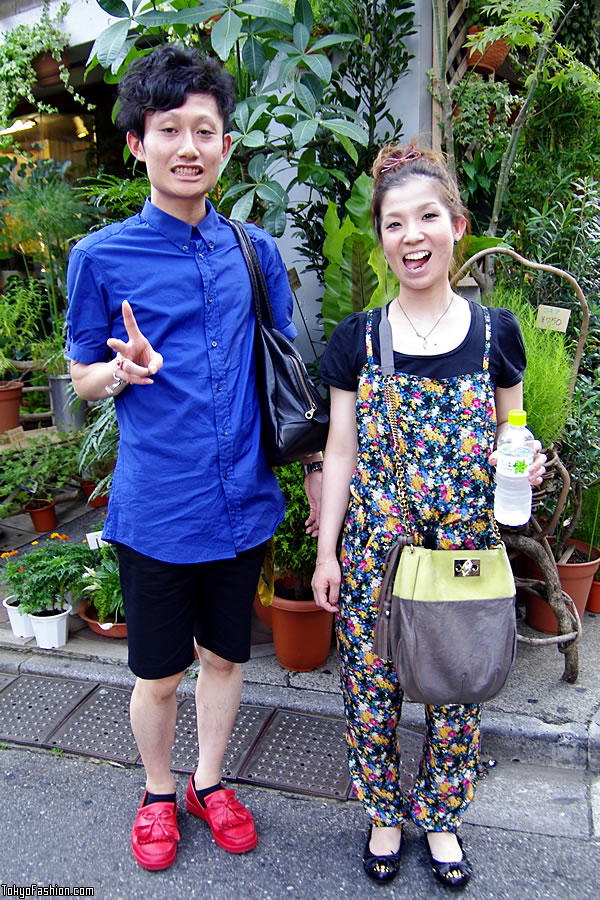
{"type": "Point", "coordinates": [533, 830]}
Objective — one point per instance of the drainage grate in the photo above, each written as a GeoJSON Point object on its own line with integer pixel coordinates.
{"type": "Point", "coordinates": [248, 725]}
{"type": "Point", "coordinates": [302, 753]}
{"type": "Point", "coordinates": [33, 706]}
{"type": "Point", "coordinates": [100, 727]}
{"type": "Point", "coordinates": [5, 680]}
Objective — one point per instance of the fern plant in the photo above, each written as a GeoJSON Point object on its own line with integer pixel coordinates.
{"type": "Point", "coordinates": [546, 396]}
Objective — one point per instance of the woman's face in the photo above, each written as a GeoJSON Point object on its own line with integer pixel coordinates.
{"type": "Point", "coordinates": [418, 233]}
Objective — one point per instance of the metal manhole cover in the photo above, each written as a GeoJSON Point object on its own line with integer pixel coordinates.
{"type": "Point", "coordinates": [248, 725]}
{"type": "Point", "coordinates": [100, 727]}
{"type": "Point", "coordinates": [5, 680]}
{"type": "Point", "coordinates": [32, 706]}
{"type": "Point", "coordinates": [302, 753]}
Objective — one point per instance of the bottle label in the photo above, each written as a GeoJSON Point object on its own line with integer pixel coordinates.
{"type": "Point", "coordinates": [513, 466]}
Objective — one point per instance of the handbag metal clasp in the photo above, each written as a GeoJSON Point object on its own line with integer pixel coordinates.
{"type": "Point", "coordinates": [466, 568]}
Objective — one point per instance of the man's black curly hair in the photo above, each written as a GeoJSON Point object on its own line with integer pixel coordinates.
{"type": "Point", "coordinates": [163, 79]}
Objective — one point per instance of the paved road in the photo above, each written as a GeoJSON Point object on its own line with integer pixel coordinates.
{"type": "Point", "coordinates": [66, 821]}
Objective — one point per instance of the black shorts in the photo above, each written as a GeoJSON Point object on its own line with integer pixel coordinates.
{"type": "Point", "coordinates": [168, 605]}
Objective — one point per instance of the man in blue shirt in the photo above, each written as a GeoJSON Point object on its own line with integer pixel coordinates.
{"type": "Point", "coordinates": [193, 501]}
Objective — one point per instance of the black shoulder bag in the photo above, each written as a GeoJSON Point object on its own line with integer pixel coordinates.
{"type": "Point", "coordinates": [294, 417]}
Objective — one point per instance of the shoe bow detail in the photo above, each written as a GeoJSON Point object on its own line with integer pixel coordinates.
{"type": "Point", "coordinates": [156, 825]}
{"type": "Point", "coordinates": [226, 811]}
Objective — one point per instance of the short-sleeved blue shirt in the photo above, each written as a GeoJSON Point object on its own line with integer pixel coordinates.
{"type": "Point", "coordinates": [191, 483]}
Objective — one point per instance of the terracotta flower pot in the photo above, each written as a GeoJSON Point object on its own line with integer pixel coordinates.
{"type": "Point", "coordinates": [43, 514]}
{"type": "Point", "coordinates": [107, 628]}
{"type": "Point", "coordinates": [88, 488]}
{"type": "Point", "coordinates": [575, 579]}
{"type": "Point", "coordinates": [47, 69]}
{"type": "Point", "coordinates": [593, 604]}
{"type": "Point", "coordinates": [301, 634]}
{"type": "Point", "coordinates": [264, 613]}
{"type": "Point", "coordinates": [10, 402]}
{"type": "Point", "coordinates": [492, 57]}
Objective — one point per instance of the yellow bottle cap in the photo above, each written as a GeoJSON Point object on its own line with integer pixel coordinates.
{"type": "Point", "coordinates": [517, 417]}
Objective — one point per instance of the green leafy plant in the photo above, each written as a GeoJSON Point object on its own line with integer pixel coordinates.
{"type": "Point", "coordinates": [363, 80]}
{"type": "Point", "coordinates": [546, 399]}
{"type": "Point", "coordinates": [357, 275]}
{"type": "Point", "coordinates": [281, 67]}
{"type": "Point", "coordinates": [22, 308]}
{"type": "Point", "coordinates": [19, 47]}
{"type": "Point", "coordinates": [41, 216]}
{"type": "Point", "coordinates": [103, 585]}
{"type": "Point", "coordinates": [580, 448]}
{"type": "Point", "coordinates": [41, 578]}
{"type": "Point", "coordinates": [99, 447]}
{"type": "Point", "coordinates": [36, 470]}
{"type": "Point", "coordinates": [295, 552]}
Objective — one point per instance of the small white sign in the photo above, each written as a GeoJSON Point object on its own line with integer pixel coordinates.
{"type": "Point", "coordinates": [94, 539]}
{"type": "Point", "coordinates": [553, 317]}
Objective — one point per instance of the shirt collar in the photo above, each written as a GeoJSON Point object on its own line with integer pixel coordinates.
{"type": "Point", "coordinates": [178, 232]}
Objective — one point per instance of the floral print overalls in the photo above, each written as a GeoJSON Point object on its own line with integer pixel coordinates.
{"type": "Point", "coordinates": [447, 429]}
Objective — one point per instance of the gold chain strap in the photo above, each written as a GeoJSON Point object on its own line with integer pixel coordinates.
{"type": "Point", "coordinates": [388, 387]}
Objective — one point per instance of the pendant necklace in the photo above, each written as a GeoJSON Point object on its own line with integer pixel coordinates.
{"type": "Point", "coordinates": [424, 337]}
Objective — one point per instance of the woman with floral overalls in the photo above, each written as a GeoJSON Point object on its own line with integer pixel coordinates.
{"type": "Point", "coordinates": [458, 370]}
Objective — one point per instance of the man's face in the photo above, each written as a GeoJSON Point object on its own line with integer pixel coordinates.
{"type": "Point", "coordinates": [183, 149]}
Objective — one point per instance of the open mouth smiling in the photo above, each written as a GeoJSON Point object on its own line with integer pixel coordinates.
{"type": "Point", "coordinates": [187, 170]}
{"type": "Point", "coordinates": [417, 260]}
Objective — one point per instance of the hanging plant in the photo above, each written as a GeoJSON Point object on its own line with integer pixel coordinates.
{"type": "Point", "coordinates": [19, 49]}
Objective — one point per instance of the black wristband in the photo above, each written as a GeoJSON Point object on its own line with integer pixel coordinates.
{"type": "Point", "coordinates": [312, 467]}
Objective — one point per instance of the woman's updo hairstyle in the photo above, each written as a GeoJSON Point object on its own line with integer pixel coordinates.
{"type": "Point", "coordinates": [396, 163]}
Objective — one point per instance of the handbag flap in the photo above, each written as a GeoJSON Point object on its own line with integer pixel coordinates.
{"type": "Point", "coordinates": [430, 576]}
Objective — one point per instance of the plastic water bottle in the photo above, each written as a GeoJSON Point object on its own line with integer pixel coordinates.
{"type": "Point", "coordinates": [512, 499]}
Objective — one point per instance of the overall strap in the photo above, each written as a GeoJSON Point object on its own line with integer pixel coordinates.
{"type": "Point", "coordinates": [488, 338]}
{"type": "Point", "coordinates": [386, 346]}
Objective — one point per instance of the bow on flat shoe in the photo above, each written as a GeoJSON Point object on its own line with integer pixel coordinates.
{"type": "Point", "coordinates": [381, 868]}
{"type": "Point", "coordinates": [451, 874]}
{"type": "Point", "coordinates": [154, 835]}
{"type": "Point", "coordinates": [231, 823]}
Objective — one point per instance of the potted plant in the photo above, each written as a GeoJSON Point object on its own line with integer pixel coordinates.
{"type": "Point", "coordinates": [22, 50]}
{"type": "Point", "coordinates": [42, 215]}
{"type": "Point", "coordinates": [491, 53]}
{"type": "Point", "coordinates": [547, 401]}
{"type": "Point", "coordinates": [32, 472]}
{"type": "Point", "coordinates": [98, 453]}
{"type": "Point", "coordinates": [41, 580]}
{"type": "Point", "coordinates": [102, 607]}
{"type": "Point", "coordinates": [22, 308]}
{"type": "Point", "coordinates": [301, 629]}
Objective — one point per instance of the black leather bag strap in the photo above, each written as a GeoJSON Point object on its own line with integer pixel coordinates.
{"type": "Point", "coordinates": [260, 291]}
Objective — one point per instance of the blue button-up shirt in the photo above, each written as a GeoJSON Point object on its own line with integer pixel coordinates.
{"type": "Point", "coordinates": [191, 483]}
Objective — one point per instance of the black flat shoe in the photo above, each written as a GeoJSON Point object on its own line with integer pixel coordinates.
{"type": "Point", "coordinates": [381, 868]}
{"type": "Point", "coordinates": [451, 874]}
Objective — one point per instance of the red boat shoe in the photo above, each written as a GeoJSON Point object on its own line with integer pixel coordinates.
{"type": "Point", "coordinates": [154, 835]}
{"type": "Point", "coordinates": [231, 823]}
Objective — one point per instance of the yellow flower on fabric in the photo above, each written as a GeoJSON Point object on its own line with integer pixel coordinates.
{"type": "Point", "coordinates": [444, 732]}
{"type": "Point", "coordinates": [468, 397]}
{"type": "Point", "coordinates": [372, 430]}
{"type": "Point", "coordinates": [467, 445]}
{"type": "Point", "coordinates": [416, 482]}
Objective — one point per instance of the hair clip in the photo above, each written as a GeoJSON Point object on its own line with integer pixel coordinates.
{"type": "Point", "coordinates": [392, 161]}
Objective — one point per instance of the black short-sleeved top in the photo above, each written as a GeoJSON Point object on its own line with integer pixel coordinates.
{"type": "Point", "coordinates": [345, 354]}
